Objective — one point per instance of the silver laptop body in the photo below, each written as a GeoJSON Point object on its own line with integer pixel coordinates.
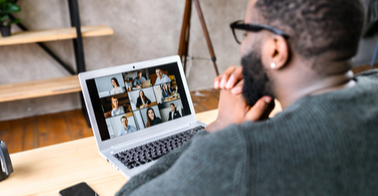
{"type": "Point", "coordinates": [100, 90]}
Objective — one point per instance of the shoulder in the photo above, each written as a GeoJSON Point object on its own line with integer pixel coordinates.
{"type": "Point", "coordinates": [228, 142]}
{"type": "Point", "coordinates": [367, 78]}
{"type": "Point", "coordinates": [166, 77]}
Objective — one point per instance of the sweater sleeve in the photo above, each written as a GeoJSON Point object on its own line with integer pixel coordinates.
{"type": "Point", "coordinates": [157, 169]}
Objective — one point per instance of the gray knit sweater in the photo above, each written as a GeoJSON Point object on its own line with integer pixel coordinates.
{"type": "Point", "coordinates": [320, 145]}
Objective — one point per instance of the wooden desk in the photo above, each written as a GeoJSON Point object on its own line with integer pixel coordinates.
{"type": "Point", "coordinates": [47, 170]}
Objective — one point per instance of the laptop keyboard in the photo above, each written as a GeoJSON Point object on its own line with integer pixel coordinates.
{"type": "Point", "coordinates": [143, 154]}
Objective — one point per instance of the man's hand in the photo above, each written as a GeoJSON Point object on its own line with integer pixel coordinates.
{"type": "Point", "coordinates": [233, 109]}
{"type": "Point", "coordinates": [229, 79]}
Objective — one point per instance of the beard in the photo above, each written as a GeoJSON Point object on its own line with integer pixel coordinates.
{"type": "Point", "coordinates": [256, 81]}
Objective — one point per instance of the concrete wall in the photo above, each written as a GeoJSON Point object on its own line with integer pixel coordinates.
{"type": "Point", "coordinates": [142, 30]}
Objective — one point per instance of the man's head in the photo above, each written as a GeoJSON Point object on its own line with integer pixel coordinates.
{"type": "Point", "coordinates": [159, 73]}
{"type": "Point", "coordinates": [139, 74]}
{"type": "Point", "coordinates": [321, 33]}
{"type": "Point", "coordinates": [124, 121]}
{"type": "Point", "coordinates": [173, 108]}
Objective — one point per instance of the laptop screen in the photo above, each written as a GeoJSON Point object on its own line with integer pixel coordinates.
{"type": "Point", "coordinates": [129, 102]}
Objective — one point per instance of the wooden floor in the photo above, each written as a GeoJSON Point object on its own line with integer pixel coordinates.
{"type": "Point", "coordinates": [33, 132]}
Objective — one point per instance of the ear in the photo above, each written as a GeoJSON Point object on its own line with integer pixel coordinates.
{"type": "Point", "coordinates": [277, 52]}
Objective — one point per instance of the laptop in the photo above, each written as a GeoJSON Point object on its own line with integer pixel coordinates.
{"type": "Point", "coordinates": [146, 83]}
{"type": "Point", "coordinates": [133, 128]}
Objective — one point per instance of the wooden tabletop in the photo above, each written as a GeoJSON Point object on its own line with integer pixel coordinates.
{"type": "Point", "coordinates": [47, 170]}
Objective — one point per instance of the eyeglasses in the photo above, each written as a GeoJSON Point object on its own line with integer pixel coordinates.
{"type": "Point", "coordinates": [239, 28]}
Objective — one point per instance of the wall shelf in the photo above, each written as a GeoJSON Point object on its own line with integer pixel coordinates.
{"type": "Point", "coordinates": [40, 88]}
{"type": "Point", "coordinates": [56, 86]}
{"type": "Point", "coordinates": [54, 34]}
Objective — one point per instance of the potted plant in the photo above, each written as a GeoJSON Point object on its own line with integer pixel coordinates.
{"type": "Point", "coordinates": [6, 8]}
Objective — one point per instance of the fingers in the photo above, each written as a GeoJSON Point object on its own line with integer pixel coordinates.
{"type": "Point", "coordinates": [261, 109]}
{"type": "Point", "coordinates": [238, 88]}
{"type": "Point", "coordinates": [234, 78]}
{"type": "Point", "coordinates": [229, 78]}
{"type": "Point", "coordinates": [220, 80]}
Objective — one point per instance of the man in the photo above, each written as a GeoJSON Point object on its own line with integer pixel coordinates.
{"type": "Point", "coordinates": [161, 78]}
{"type": "Point", "coordinates": [325, 140]}
{"type": "Point", "coordinates": [173, 114]}
{"type": "Point", "coordinates": [139, 80]}
{"type": "Point", "coordinates": [126, 129]}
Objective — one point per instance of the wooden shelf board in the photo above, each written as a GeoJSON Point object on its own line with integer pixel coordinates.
{"type": "Point", "coordinates": [40, 88]}
{"type": "Point", "coordinates": [54, 34]}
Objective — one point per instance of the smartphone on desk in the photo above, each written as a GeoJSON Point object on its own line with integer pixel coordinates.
{"type": "Point", "coordinates": [81, 189]}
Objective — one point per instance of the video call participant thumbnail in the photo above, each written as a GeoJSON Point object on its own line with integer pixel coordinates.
{"type": "Point", "coordinates": [173, 114]}
{"type": "Point", "coordinates": [126, 129]}
{"type": "Point", "coordinates": [116, 88]}
{"type": "Point", "coordinates": [139, 80]}
{"type": "Point", "coordinates": [116, 109]}
{"type": "Point", "coordinates": [152, 119]}
{"type": "Point", "coordinates": [164, 92]}
{"type": "Point", "coordinates": [161, 78]}
{"type": "Point", "coordinates": [142, 100]}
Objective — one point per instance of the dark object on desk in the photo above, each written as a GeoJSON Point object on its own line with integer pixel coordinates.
{"type": "Point", "coordinates": [6, 164]}
{"type": "Point", "coordinates": [5, 31]}
{"type": "Point", "coordinates": [81, 189]}
{"type": "Point", "coordinates": [372, 25]}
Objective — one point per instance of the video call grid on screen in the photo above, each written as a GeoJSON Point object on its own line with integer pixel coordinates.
{"type": "Point", "coordinates": [131, 101]}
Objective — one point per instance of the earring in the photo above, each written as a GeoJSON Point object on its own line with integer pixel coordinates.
{"type": "Point", "coordinates": [273, 65]}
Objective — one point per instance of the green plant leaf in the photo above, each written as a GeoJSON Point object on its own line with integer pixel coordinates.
{"type": "Point", "coordinates": [11, 8]}
{"type": "Point", "coordinates": [4, 18]}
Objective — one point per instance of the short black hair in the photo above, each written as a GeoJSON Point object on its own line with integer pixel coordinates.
{"type": "Point", "coordinates": [317, 27]}
{"type": "Point", "coordinates": [172, 104]}
{"type": "Point", "coordinates": [122, 118]}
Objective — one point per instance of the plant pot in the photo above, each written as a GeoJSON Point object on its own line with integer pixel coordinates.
{"type": "Point", "coordinates": [5, 31]}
